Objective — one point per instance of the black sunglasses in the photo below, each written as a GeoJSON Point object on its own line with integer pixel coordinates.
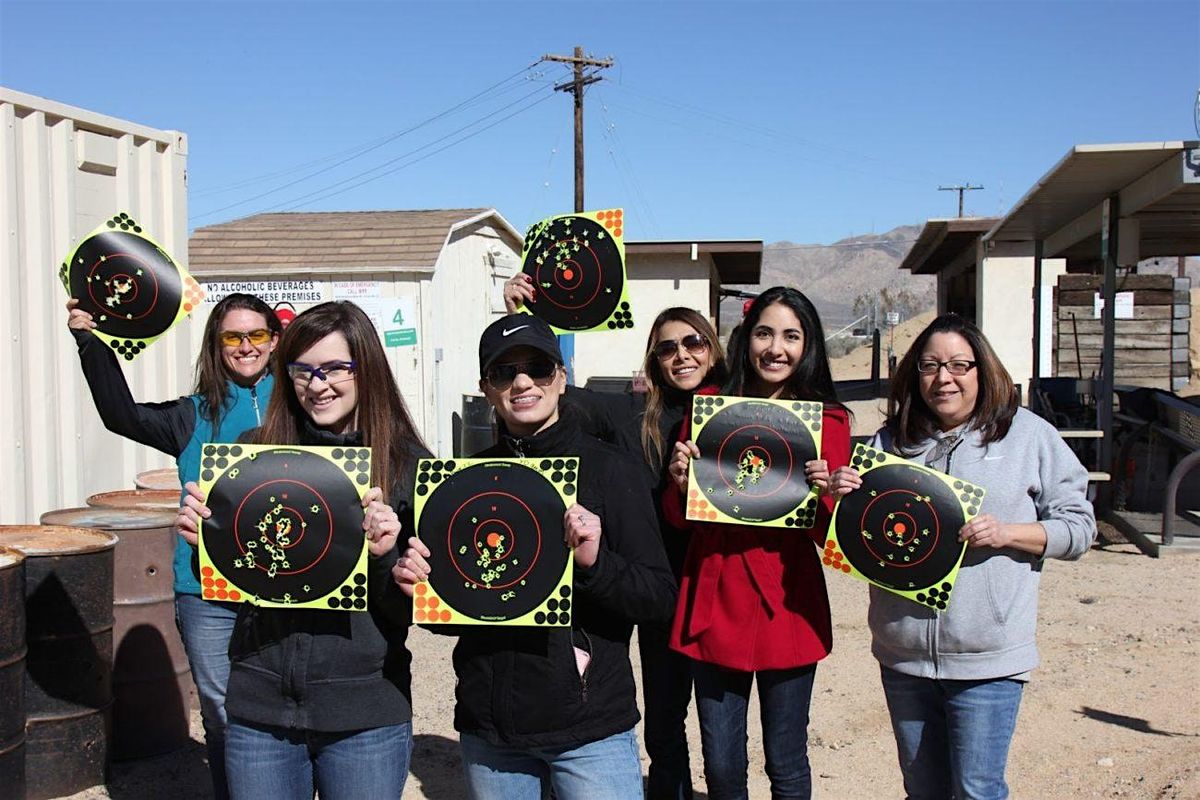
{"type": "Point", "coordinates": [540, 370]}
{"type": "Point", "coordinates": [694, 343]}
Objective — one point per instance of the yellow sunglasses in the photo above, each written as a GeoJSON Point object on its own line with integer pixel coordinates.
{"type": "Point", "coordinates": [257, 337]}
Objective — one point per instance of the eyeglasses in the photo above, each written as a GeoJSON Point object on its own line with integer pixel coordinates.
{"type": "Point", "coordinates": [331, 372]}
{"type": "Point", "coordinates": [541, 371]}
{"type": "Point", "coordinates": [257, 337]}
{"type": "Point", "coordinates": [956, 367]}
{"type": "Point", "coordinates": [694, 343]}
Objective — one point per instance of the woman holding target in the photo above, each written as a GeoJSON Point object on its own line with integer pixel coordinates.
{"type": "Point", "coordinates": [682, 355]}
{"type": "Point", "coordinates": [752, 603]}
{"type": "Point", "coordinates": [542, 706]}
{"type": "Point", "coordinates": [233, 382]}
{"type": "Point", "coordinates": [318, 698]}
{"type": "Point", "coordinates": [954, 679]}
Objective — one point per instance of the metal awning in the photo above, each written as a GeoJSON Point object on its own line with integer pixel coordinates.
{"type": "Point", "coordinates": [1157, 185]}
{"type": "Point", "coordinates": [943, 241]}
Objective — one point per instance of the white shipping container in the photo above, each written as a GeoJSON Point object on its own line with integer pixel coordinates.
{"type": "Point", "coordinates": [63, 171]}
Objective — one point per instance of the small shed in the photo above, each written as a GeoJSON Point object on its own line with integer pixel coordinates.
{"type": "Point", "coordinates": [431, 280]}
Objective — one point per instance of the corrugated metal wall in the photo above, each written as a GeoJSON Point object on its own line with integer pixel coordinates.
{"type": "Point", "coordinates": [63, 170]}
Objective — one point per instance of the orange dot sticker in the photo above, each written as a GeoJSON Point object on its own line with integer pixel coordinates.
{"type": "Point", "coordinates": [826, 561]}
{"type": "Point", "coordinates": [845, 567]}
{"type": "Point", "coordinates": [208, 583]}
{"type": "Point", "coordinates": [221, 583]}
{"type": "Point", "coordinates": [420, 588]}
{"type": "Point", "coordinates": [222, 594]}
{"type": "Point", "coordinates": [207, 572]}
{"type": "Point", "coordinates": [899, 527]}
{"type": "Point", "coordinates": [434, 602]}
{"type": "Point", "coordinates": [445, 615]}
{"type": "Point", "coordinates": [235, 595]}
{"type": "Point", "coordinates": [209, 594]}
{"type": "Point", "coordinates": [419, 615]}
{"type": "Point", "coordinates": [493, 540]}
{"type": "Point", "coordinates": [420, 601]}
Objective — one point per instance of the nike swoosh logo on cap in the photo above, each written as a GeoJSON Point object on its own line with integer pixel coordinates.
{"type": "Point", "coordinates": [507, 331]}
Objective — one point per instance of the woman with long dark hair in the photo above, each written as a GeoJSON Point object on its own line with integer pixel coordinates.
{"type": "Point", "coordinates": [752, 602]}
{"type": "Point", "coordinates": [233, 381]}
{"type": "Point", "coordinates": [953, 679]}
{"type": "Point", "coordinates": [317, 698]}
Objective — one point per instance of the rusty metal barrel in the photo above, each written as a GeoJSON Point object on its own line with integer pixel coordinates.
{"type": "Point", "coordinates": [142, 499]}
{"type": "Point", "coordinates": [12, 673]}
{"type": "Point", "coordinates": [152, 684]}
{"type": "Point", "coordinates": [68, 662]}
{"type": "Point", "coordinates": [166, 479]}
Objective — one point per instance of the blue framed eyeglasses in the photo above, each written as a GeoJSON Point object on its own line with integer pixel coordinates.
{"type": "Point", "coordinates": [330, 372]}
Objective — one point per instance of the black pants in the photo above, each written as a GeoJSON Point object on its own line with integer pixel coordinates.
{"type": "Point", "coordinates": [666, 692]}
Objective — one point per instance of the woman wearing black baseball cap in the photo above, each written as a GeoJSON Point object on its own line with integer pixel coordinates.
{"type": "Point", "coordinates": [558, 705]}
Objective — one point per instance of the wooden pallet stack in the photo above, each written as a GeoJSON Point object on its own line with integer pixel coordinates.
{"type": "Point", "coordinates": [1151, 348]}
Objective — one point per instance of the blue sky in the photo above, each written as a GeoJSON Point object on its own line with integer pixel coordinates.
{"type": "Point", "coordinates": [801, 121]}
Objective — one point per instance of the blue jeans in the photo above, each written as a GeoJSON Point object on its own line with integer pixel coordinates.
{"type": "Point", "coordinates": [666, 692]}
{"type": "Point", "coordinates": [608, 769]}
{"type": "Point", "coordinates": [205, 628]}
{"type": "Point", "coordinates": [952, 737]}
{"type": "Point", "coordinates": [285, 764]}
{"type": "Point", "coordinates": [722, 696]}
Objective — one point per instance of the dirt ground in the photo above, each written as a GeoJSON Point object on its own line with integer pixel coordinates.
{"type": "Point", "coordinates": [1113, 711]}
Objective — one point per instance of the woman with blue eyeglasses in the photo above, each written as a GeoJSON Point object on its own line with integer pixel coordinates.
{"type": "Point", "coordinates": [322, 699]}
{"type": "Point", "coordinates": [953, 679]}
{"type": "Point", "coordinates": [233, 382]}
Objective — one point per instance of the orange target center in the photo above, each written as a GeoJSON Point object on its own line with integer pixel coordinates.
{"type": "Point", "coordinates": [900, 527]}
{"type": "Point", "coordinates": [493, 540]}
{"type": "Point", "coordinates": [568, 274]}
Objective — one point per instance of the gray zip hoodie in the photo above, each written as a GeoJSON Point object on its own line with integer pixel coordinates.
{"type": "Point", "coordinates": [988, 629]}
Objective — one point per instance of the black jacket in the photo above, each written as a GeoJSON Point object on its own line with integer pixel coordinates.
{"type": "Point", "coordinates": [329, 670]}
{"type": "Point", "coordinates": [520, 686]}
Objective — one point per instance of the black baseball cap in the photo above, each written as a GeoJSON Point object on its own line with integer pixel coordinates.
{"type": "Point", "coordinates": [512, 331]}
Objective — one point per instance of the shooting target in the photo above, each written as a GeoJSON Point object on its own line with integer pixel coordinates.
{"type": "Point", "coordinates": [129, 284]}
{"type": "Point", "coordinates": [286, 525]}
{"type": "Point", "coordinates": [751, 465]}
{"type": "Point", "coordinates": [494, 529]}
{"type": "Point", "coordinates": [577, 262]}
{"type": "Point", "coordinates": [900, 530]}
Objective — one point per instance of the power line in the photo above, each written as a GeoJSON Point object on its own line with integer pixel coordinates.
{"type": "Point", "coordinates": [362, 150]}
{"type": "Point", "coordinates": [320, 193]}
{"type": "Point", "coordinates": [960, 189]}
{"type": "Point", "coordinates": [307, 198]}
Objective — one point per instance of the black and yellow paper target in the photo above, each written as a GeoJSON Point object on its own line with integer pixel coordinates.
{"type": "Point", "coordinates": [494, 529]}
{"type": "Point", "coordinates": [286, 526]}
{"type": "Point", "coordinates": [900, 530]}
{"type": "Point", "coordinates": [751, 465]}
{"type": "Point", "coordinates": [130, 285]}
{"type": "Point", "coordinates": [577, 262]}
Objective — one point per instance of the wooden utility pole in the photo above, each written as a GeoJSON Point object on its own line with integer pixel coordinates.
{"type": "Point", "coordinates": [960, 189]}
{"type": "Point", "coordinates": [581, 79]}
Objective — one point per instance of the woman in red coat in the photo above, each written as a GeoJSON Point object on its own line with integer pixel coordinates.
{"type": "Point", "coordinates": [752, 601]}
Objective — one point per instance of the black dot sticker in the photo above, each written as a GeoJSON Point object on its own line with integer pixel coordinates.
{"type": "Point", "coordinates": [564, 591]}
{"type": "Point", "coordinates": [540, 618]}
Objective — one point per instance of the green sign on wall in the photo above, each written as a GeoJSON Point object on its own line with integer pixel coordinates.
{"type": "Point", "coordinates": [400, 338]}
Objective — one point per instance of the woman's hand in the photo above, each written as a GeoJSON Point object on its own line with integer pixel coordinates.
{"type": "Point", "coordinates": [681, 459]}
{"type": "Point", "coordinates": [817, 472]}
{"type": "Point", "coordinates": [380, 522]}
{"type": "Point", "coordinates": [518, 291]}
{"type": "Point", "coordinates": [581, 532]}
{"type": "Point", "coordinates": [843, 481]}
{"type": "Point", "coordinates": [411, 568]}
{"type": "Point", "coordinates": [191, 513]}
{"type": "Point", "coordinates": [986, 531]}
{"type": "Point", "coordinates": [77, 318]}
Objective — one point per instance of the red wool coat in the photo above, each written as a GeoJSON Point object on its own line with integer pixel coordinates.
{"type": "Point", "coordinates": [753, 598]}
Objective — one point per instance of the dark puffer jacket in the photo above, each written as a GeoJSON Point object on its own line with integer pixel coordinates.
{"type": "Point", "coordinates": [329, 670]}
{"type": "Point", "coordinates": [520, 687]}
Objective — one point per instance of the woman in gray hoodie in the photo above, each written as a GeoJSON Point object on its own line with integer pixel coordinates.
{"type": "Point", "coordinates": [953, 679]}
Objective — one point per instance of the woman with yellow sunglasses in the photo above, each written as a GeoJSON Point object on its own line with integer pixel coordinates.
{"type": "Point", "coordinates": [233, 383]}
